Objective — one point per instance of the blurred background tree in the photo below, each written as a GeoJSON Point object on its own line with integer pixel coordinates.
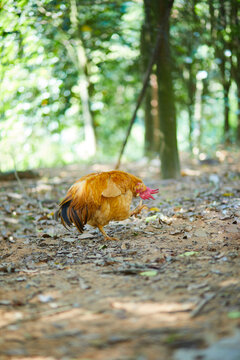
{"type": "Point", "coordinates": [71, 72]}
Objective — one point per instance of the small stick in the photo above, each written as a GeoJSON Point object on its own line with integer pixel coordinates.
{"type": "Point", "coordinates": [20, 184]}
{"type": "Point", "coordinates": [201, 304]}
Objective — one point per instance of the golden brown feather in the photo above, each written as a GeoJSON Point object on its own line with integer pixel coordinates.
{"type": "Point", "coordinates": [98, 198]}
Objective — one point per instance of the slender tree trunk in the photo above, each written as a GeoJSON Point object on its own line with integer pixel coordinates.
{"type": "Point", "coordinates": [236, 74]}
{"type": "Point", "coordinates": [226, 80]}
{"type": "Point", "coordinates": [83, 82]}
{"type": "Point", "coordinates": [83, 85]}
{"type": "Point", "coordinates": [149, 126]}
{"type": "Point", "coordinates": [219, 15]}
{"type": "Point", "coordinates": [198, 114]}
{"type": "Point", "coordinates": [190, 126]}
{"type": "Point", "coordinates": [152, 131]}
{"type": "Point", "coordinates": [235, 30]}
{"type": "Point", "coordinates": [170, 167]}
{"type": "Point", "coordinates": [238, 115]}
{"type": "Point", "coordinates": [151, 97]}
{"type": "Point", "coordinates": [191, 88]}
{"type": "Point", "coordinates": [226, 83]}
{"type": "Point", "coordinates": [155, 113]}
{"type": "Point", "coordinates": [226, 134]}
{"type": "Point", "coordinates": [191, 84]}
{"type": "Point", "coordinates": [145, 41]}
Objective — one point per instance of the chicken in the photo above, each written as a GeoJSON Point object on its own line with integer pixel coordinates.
{"type": "Point", "coordinates": [98, 198]}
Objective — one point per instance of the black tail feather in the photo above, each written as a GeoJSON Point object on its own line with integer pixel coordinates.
{"type": "Point", "coordinates": [64, 214]}
{"type": "Point", "coordinates": [86, 215]}
{"type": "Point", "coordinates": [69, 216]}
{"type": "Point", "coordinates": [77, 221]}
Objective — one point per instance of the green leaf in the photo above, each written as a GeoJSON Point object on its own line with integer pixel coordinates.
{"type": "Point", "coordinates": [234, 315]}
{"type": "Point", "coordinates": [151, 218]}
{"type": "Point", "coordinates": [104, 246]}
{"type": "Point", "coordinates": [189, 253]}
{"type": "Point", "coordinates": [149, 273]}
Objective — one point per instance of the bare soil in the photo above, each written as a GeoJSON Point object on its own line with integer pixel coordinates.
{"type": "Point", "coordinates": [168, 289]}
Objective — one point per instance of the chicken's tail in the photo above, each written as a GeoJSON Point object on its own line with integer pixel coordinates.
{"type": "Point", "coordinates": [69, 215]}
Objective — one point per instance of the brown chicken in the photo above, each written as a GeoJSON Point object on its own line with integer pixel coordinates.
{"type": "Point", "coordinates": [98, 198]}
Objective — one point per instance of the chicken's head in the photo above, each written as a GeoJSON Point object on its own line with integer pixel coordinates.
{"type": "Point", "coordinates": [145, 192]}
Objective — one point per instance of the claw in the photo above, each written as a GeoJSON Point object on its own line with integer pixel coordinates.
{"type": "Point", "coordinates": [106, 237]}
{"type": "Point", "coordinates": [138, 209]}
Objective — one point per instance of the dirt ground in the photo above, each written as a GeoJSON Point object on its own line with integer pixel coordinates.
{"type": "Point", "coordinates": [168, 289]}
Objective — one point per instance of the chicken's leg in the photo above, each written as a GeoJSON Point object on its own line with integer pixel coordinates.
{"type": "Point", "coordinates": [138, 209]}
{"type": "Point", "coordinates": [106, 237]}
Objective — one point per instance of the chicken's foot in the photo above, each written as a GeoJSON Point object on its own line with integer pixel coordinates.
{"type": "Point", "coordinates": [106, 237]}
{"type": "Point", "coordinates": [138, 209]}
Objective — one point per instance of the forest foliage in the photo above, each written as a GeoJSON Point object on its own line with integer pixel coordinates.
{"type": "Point", "coordinates": [71, 72]}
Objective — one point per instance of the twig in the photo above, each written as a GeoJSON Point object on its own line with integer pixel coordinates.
{"type": "Point", "coordinates": [20, 184]}
{"type": "Point", "coordinates": [201, 304]}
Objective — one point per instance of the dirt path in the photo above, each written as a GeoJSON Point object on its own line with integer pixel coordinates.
{"type": "Point", "coordinates": [169, 289]}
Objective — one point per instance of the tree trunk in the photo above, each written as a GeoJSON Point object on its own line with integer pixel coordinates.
{"type": "Point", "coordinates": [235, 30]}
{"type": "Point", "coordinates": [219, 17]}
{"type": "Point", "coordinates": [152, 131]}
{"type": "Point", "coordinates": [226, 129]}
{"type": "Point", "coordinates": [149, 126]}
{"type": "Point", "coordinates": [226, 79]}
{"type": "Point", "coordinates": [146, 37]}
{"type": "Point", "coordinates": [170, 167]}
{"type": "Point", "coordinates": [198, 114]}
{"type": "Point", "coordinates": [238, 115]}
{"type": "Point", "coordinates": [191, 89]}
{"type": "Point", "coordinates": [190, 127]}
{"type": "Point", "coordinates": [151, 96]}
{"type": "Point", "coordinates": [83, 83]}
{"type": "Point", "coordinates": [155, 113]}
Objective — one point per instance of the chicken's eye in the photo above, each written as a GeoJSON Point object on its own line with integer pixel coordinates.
{"type": "Point", "coordinates": [139, 188]}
